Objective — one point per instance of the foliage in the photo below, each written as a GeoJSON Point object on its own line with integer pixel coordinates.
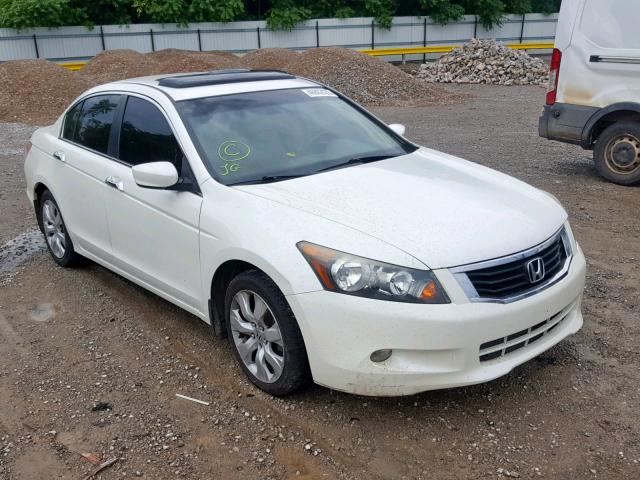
{"type": "Point", "coordinates": [279, 14]}
{"type": "Point", "coordinates": [442, 11]}
{"type": "Point", "coordinates": [285, 14]}
{"type": "Point", "coordinates": [28, 13]}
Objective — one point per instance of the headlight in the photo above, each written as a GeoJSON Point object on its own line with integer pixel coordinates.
{"type": "Point", "coordinates": [344, 273]}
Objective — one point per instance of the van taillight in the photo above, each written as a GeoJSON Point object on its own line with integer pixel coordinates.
{"type": "Point", "coordinates": [554, 74]}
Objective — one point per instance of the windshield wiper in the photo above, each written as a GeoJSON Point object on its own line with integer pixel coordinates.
{"type": "Point", "coordinates": [356, 161]}
{"type": "Point", "coordinates": [265, 179]}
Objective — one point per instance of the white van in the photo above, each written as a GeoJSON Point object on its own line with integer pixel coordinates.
{"type": "Point", "coordinates": [594, 85]}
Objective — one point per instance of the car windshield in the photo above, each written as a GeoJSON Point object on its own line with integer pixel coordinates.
{"type": "Point", "coordinates": [279, 134]}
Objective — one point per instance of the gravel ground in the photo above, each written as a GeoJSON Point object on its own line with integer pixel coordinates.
{"type": "Point", "coordinates": [74, 340]}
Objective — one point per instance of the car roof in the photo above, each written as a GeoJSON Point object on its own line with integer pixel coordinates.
{"type": "Point", "coordinates": [185, 86]}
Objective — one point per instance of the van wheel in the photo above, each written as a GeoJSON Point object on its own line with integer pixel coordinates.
{"type": "Point", "coordinates": [55, 232]}
{"type": "Point", "coordinates": [264, 334]}
{"type": "Point", "coordinates": [617, 153]}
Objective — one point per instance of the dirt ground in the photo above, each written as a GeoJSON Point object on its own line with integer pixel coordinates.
{"type": "Point", "coordinates": [71, 339]}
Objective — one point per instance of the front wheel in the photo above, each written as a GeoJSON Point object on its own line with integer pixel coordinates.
{"type": "Point", "coordinates": [264, 334]}
{"type": "Point", "coordinates": [617, 153]}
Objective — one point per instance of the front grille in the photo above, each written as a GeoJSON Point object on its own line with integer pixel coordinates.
{"type": "Point", "coordinates": [505, 345]}
{"type": "Point", "coordinates": [511, 278]}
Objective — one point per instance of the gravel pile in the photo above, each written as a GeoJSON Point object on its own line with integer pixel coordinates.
{"type": "Point", "coordinates": [270, 58]}
{"type": "Point", "coordinates": [488, 62]}
{"type": "Point", "coordinates": [120, 64]}
{"type": "Point", "coordinates": [365, 79]}
{"type": "Point", "coordinates": [37, 91]}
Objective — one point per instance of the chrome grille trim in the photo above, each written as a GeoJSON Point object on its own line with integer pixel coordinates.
{"type": "Point", "coordinates": [460, 273]}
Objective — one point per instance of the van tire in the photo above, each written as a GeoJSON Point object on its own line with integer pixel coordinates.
{"type": "Point", "coordinates": [617, 153]}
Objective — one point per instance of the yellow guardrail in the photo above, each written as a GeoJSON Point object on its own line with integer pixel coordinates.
{"type": "Point", "coordinates": [73, 65]}
{"type": "Point", "coordinates": [380, 52]}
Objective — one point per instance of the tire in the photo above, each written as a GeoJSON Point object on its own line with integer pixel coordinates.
{"type": "Point", "coordinates": [55, 232]}
{"type": "Point", "coordinates": [253, 328]}
{"type": "Point", "coordinates": [617, 153]}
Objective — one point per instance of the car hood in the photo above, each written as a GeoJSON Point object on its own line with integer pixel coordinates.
{"type": "Point", "coordinates": [441, 209]}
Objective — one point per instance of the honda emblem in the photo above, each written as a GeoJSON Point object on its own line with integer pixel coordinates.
{"type": "Point", "coordinates": [535, 269]}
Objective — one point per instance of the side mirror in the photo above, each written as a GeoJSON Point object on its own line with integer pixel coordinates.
{"type": "Point", "coordinates": [155, 174]}
{"type": "Point", "coordinates": [398, 128]}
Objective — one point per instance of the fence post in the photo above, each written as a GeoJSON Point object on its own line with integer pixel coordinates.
{"type": "Point", "coordinates": [424, 39]}
{"type": "Point", "coordinates": [373, 38]}
{"type": "Point", "coordinates": [35, 44]}
{"type": "Point", "coordinates": [317, 35]}
{"type": "Point", "coordinates": [153, 43]}
{"type": "Point", "coordinates": [258, 32]}
{"type": "Point", "coordinates": [522, 28]}
{"type": "Point", "coordinates": [475, 27]}
{"type": "Point", "coordinates": [199, 41]}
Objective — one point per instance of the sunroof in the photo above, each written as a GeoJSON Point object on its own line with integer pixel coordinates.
{"type": "Point", "coordinates": [218, 77]}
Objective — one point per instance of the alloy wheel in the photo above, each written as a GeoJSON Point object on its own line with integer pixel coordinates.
{"type": "Point", "coordinates": [54, 229]}
{"type": "Point", "coordinates": [256, 335]}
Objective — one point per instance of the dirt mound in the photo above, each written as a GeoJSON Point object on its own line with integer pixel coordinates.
{"type": "Point", "coordinates": [177, 61]}
{"type": "Point", "coordinates": [120, 64]}
{"type": "Point", "coordinates": [270, 59]}
{"type": "Point", "coordinates": [114, 65]}
{"type": "Point", "coordinates": [36, 91]}
{"type": "Point", "coordinates": [363, 78]}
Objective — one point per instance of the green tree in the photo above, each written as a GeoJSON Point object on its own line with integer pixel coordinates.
{"type": "Point", "coordinates": [36, 13]}
{"type": "Point", "coordinates": [280, 14]}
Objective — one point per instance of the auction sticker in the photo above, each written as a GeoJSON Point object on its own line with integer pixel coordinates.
{"type": "Point", "coordinates": [318, 92]}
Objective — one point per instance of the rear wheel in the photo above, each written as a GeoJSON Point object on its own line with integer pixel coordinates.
{"type": "Point", "coordinates": [55, 232]}
{"type": "Point", "coordinates": [617, 153]}
{"type": "Point", "coordinates": [264, 334]}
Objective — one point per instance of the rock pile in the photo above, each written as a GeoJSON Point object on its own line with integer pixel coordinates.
{"type": "Point", "coordinates": [488, 62]}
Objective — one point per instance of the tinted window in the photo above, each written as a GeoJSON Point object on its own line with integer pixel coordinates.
{"type": "Point", "coordinates": [94, 123]}
{"type": "Point", "coordinates": [146, 136]}
{"type": "Point", "coordinates": [71, 122]}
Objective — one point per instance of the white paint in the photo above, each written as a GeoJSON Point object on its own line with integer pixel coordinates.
{"type": "Point", "coordinates": [608, 29]}
{"type": "Point", "coordinates": [420, 210]}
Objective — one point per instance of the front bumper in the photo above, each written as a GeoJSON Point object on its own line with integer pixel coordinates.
{"type": "Point", "coordinates": [434, 346]}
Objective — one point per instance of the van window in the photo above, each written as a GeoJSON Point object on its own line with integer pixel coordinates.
{"type": "Point", "coordinates": [612, 24]}
{"type": "Point", "coordinates": [146, 135]}
{"type": "Point", "coordinates": [94, 123]}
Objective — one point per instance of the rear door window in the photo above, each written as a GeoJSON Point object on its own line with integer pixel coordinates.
{"type": "Point", "coordinates": [94, 122]}
{"type": "Point", "coordinates": [147, 137]}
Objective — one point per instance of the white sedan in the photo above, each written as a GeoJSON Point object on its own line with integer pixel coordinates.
{"type": "Point", "coordinates": [324, 244]}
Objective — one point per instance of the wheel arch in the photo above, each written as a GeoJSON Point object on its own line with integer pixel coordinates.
{"type": "Point", "coordinates": [618, 112]}
{"type": "Point", "coordinates": [38, 189]}
{"type": "Point", "coordinates": [225, 272]}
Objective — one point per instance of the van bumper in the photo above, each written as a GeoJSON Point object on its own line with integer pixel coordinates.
{"type": "Point", "coordinates": [565, 122]}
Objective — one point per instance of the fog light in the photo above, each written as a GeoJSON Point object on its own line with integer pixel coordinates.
{"type": "Point", "coordinates": [381, 355]}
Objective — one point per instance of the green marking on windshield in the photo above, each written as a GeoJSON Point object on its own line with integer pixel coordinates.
{"type": "Point", "coordinates": [231, 152]}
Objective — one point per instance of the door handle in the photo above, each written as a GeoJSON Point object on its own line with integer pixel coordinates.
{"type": "Point", "coordinates": [114, 182]}
{"type": "Point", "coordinates": [59, 155]}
